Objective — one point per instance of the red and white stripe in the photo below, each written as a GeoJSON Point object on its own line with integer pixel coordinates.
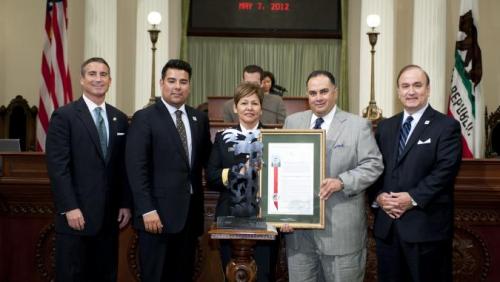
{"type": "Point", "coordinates": [55, 86]}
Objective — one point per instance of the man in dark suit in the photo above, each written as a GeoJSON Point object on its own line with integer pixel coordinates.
{"type": "Point", "coordinates": [414, 219]}
{"type": "Point", "coordinates": [85, 148]}
{"type": "Point", "coordinates": [167, 147]}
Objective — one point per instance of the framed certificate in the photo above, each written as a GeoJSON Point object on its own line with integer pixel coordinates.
{"type": "Point", "coordinates": [292, 171]}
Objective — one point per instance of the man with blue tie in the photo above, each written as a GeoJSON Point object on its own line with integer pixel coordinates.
{"type": "Point", "coordinates": [353, 163]}
{"type": "Point", "coordinates": [413, 199]}
{"type": "Point", "coordinates": [85, 160]}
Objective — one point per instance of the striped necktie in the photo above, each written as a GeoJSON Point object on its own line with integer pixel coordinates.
{"type": "Point", "coordinates": [182, 131]}
{"type": "Point", "coordinates": [403, 134]}
{"type": "Point", "coordinates": [101, 130]}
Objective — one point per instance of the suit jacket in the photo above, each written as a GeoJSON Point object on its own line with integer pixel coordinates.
{"type": "Point", "coordinates": [222, 157]}
{"type": "Point", "coordinates": [79, 175]}
{"type": "Point", "coordinates": [426, 170]}
{"type": "Point", "coordinates": [352, 155]}
{"type": "Point", "coordinates": [160, 175]}
{"type": "Point", "coordinates": [273, 110]}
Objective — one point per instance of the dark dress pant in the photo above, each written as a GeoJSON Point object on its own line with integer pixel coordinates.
{"type": "Point", "coordinates": [400, 261]}
{"type": "Point", "coordinates": [87, 258]}
{"type": "Point", "coordinates": [168, 257]}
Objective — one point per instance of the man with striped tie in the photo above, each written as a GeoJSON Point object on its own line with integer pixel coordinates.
{"type": "Point", "coordinates": [85, 160]}
{"type": "Point", "coordinates": [168, 145]}
{"type": "Point", "coordinates": [414, 197]}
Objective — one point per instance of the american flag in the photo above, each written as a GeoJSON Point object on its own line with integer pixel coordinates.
{"type": "Point", "coordinates": [55, 86]}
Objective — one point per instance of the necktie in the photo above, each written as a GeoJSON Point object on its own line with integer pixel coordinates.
{"type": "Point", "coordinates": [318, 122]}
{"type": "Point", "coordinates": [101, 130]}
{"type": "Point", "coordinates": [403, 134]}
{"type": "Point", "coordinates": [182, 131]}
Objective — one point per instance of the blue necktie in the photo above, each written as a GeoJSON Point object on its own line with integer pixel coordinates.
{"type": "Point", "coordinates": [403, 134]}
{"type": "Point", "coordinates": [318, 122]}
{"type": "Point", "coordinates": [101, 130]}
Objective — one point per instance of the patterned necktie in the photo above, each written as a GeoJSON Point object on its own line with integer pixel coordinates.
{"type": "Point", "coordinates": [182, 131]}
{"type": "Point", "coordinates": [403, 134]}
{"type": "Point", "coordinates": [101, 130]}
{"type": "Point", "coordinates": [318, 122]}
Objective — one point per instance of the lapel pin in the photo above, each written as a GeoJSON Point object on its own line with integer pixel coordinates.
{"type": "Point", "coordinates": [427, 122]}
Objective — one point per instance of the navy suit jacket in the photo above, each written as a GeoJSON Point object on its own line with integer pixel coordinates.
{"type": "Point", "coordinates": [159, 172]}
{"type": "Point", "coordinates": [426, 170]}
{"type": "Point", "coordinates": [80, 176]}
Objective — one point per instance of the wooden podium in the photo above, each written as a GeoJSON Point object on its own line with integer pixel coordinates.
{"type": "Point", "coordinates": [27, 230]}
{"type": "Point", "coordinates": [242, 266]}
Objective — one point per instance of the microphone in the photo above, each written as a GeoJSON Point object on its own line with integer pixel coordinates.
{"type": "Point", "coordinates": [280, 88]}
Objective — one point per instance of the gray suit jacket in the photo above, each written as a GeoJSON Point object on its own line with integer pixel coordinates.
{"type": "Point", "coordinates": [352, 155]}
{"type": "Point", "coordinates": [273, 110]}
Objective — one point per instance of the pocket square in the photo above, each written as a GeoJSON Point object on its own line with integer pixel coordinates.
{"type": "Point", "coordinates": [420, 142]}
{"type": "Point", "coordinates": [120, 133]}
{"type": "Point", "coordinates": [338, 146]}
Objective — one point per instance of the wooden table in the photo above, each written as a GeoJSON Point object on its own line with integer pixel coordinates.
{"type": "Point", "coordinates": [242, 266]}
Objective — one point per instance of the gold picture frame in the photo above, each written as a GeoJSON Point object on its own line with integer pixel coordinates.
{"type": "Point", "coordinates": [293, 167]}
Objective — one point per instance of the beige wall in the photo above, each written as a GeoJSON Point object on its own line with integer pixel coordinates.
{"type": "Point", "coordinates": [489, 31]}
{"type": "Point", "coordinates": [3, 27]}
{"type": "Point", "coordinates": [354, 30]}
{"type": "Point", "coordinates": [124, 75]}
{"type": "Point", "coordinates": [22, 30]}
{"type": "Point", "coordinates": [402, 41]}
{"type": "Point", "coordinates": [21, 33]}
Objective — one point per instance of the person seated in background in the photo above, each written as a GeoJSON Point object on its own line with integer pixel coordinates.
{"type": "Point", "coordinates": [273, 107]}
{"type": "Point", "coordinates": [269, 85]}
{"type": "Point", "coordinates": [230, 172]}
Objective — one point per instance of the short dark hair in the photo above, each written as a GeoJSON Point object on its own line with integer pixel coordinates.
{"type": "Point", "coordinates": [321, 72]}
{"type": "Point", "coordinates": [93, 60]}
{"type": "Point", "coordinates": [271, 76]}
{"type": "Point", "coordinates": [178, 65]}
{"type": "Point", "coordinates": [254, 69]}
{"type": "Point", "coordinates": [245, 89]}
{"type": "Point", "coordinates": [407, 67]}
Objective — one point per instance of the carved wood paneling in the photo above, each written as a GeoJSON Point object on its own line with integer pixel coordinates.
{"type": "Point", "coordinates": [45, 253]}
{"type": "Point", "coordinates": [471, 260]}
{"type": "Point", "coordinates": [26, 202]}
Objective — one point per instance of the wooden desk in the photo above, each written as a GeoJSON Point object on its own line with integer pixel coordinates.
{"type": "Point", "coordinates": [27, 227]}
{"type": "Point", "coordinates": [216, 104]}
{"type": "Point", "coordinates": [27, 230]}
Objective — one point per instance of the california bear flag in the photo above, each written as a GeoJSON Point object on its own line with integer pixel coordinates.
{"type": "Point", "coordinates": [465, 102]}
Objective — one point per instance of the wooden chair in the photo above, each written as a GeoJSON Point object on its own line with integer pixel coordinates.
{"type": "Point", "coordinates": [18, 121]}
{"type": "Point", "coordinates": [492, 126]}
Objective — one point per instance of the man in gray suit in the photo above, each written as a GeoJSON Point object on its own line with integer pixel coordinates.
{"type": "Point", "coordinates": [353, 163]}
{"type": "Point", "coordinates": [273, 107]}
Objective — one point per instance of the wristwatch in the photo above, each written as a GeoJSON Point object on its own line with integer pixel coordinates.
{"type": "Point", "coordinates": [413, 203]}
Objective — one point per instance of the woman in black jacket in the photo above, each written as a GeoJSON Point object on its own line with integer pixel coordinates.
{"type": "Point", "coordinates": [233, 172]}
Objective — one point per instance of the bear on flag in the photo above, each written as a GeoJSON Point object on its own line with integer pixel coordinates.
{"type": "Point", "coordinates": [465, 101]}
